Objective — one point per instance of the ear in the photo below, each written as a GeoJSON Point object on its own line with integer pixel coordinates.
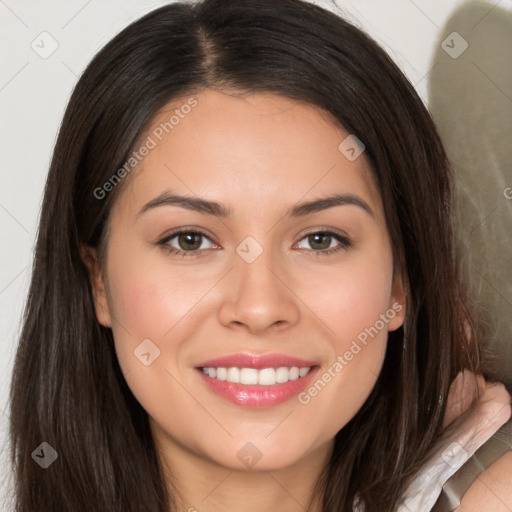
{"type": "Point", "coordinates": [397, 303]}
{"type": "Point", "coordinates": [90, 259]}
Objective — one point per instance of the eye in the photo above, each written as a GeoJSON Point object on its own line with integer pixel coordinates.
{"type": "Point", "coordinates": [321, 242]}
{"type": "Point", "coordinates": [188, 241]}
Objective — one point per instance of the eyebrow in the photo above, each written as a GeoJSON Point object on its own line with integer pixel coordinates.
{"type": "Point", "coordinates": [218, 210]}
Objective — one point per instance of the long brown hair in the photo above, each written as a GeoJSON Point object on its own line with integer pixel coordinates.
{"type": "Point", "coordinates": [68, 389]}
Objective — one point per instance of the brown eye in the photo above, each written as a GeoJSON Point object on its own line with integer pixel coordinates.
{"type": "Point", "coordinates": [189, 241]}
{"type": "Point", "coordinates": [185, 242]}
{"type": "Point", "coordinates": [321, 242]}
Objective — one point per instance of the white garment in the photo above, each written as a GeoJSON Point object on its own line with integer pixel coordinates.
{"type": "Point", "coordinates": [459, 442]}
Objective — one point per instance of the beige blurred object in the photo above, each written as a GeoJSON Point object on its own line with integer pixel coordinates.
{"type": "Point", "coordinates": [470, 97]}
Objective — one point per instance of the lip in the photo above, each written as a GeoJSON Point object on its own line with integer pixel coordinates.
{"type": "Point", "coordinates": [256, 361]}
{"type": "Point", "coordinates": [257, 396]}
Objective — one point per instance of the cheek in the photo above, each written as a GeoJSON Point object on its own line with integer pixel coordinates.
{"type": "Point", "coordinates": [154, 308]}
{"type": "Point", "coordinates": [355, 305]}
{"type": "Point", "coordinates": [143, 305]}
{"type": "Point", "coordinates": [149, 302]}
{"type": "Point", "coordinates": [147, 307]}
{"type": "Point", "coordinates": [352, 299]}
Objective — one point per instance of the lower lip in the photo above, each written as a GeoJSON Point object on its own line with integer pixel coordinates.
{"type": "Point", "coordinates": [255, 395]}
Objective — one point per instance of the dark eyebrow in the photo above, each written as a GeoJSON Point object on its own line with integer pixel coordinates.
{"type": "Point", "coordinates": [218, 210]}
{"type": "Point", "coordinates": [189, 202]}
{"type": "Point", "coordinates": [328, 202]}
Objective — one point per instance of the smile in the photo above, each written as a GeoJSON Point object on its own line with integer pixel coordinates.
{"type": "Point", "coordinates": [257, 381]}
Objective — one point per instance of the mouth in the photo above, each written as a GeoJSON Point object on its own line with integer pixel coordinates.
{"type": "Point", "coordinates": [257, 381]}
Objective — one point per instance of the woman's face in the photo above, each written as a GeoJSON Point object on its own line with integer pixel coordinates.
{"type": "Point", "coordinates": [249, 284]}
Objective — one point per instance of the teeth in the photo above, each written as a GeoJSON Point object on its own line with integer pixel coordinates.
{"type": "Point", "coordinates": [282, 374]}
{"type": "Point", "coordinates": [251, 376]}
{"type": "Point", "coordinates": [303, 371]}
{"type": "Point", "coordinates": [233, 375]}
{"type": "Point", "coordinates": [267, 377]}
{"type": "Point", "coordinates": [222, 373]}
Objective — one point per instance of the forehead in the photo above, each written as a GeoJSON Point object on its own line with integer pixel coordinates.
{"type": "Point", "coordinates": [251, 147]}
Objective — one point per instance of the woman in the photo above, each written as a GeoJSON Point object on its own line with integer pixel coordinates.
{"type": "Point", "coordinates": [244, 295]}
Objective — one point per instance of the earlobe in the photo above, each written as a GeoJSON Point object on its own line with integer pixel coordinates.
{"type": "Point", "coordinates": [397, 305]}
{"type": "Point", "coordinates": [90, 259]}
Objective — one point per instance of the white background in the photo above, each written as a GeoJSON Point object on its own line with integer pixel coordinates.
{"type": "Point", "coordinates": [34, 93]}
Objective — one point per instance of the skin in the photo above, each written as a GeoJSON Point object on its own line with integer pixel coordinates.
{"type": "Point", "coordinates": [491, 491]}
{"type": "Point", "coordinates": [259, 155]}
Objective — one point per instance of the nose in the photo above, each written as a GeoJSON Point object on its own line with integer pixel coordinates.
{"type": "Point", "coordinates": [259, 296]}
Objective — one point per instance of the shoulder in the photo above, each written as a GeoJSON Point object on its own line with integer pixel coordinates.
{"type": "Point", "coordinates": [492, 490]}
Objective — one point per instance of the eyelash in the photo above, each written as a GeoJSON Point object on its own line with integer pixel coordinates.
{"type": "Point", "coordinates": [345, 243]}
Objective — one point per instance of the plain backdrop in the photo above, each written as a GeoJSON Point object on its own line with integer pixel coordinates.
{"type": "Point", "coordinates": [34, 92]}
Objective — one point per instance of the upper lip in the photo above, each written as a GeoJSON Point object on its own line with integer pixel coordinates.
{"type": "Point", "coordinates": [245, 360]}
